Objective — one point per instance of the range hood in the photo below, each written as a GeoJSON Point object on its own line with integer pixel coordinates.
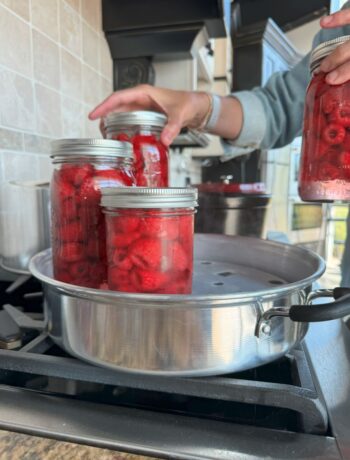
{"type": "Point", "coordinates": [153, 38]}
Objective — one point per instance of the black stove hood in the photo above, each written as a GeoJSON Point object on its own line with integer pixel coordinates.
{"type": "Point", "coordinates": [138, 31]}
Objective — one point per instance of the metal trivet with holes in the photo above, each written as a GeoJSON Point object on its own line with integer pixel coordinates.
{"type": "Point", "coordinates": [301, 398]}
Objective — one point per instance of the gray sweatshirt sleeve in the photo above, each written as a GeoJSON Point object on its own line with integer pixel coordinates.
{"type": "Point", "coordinates": [273, 114]}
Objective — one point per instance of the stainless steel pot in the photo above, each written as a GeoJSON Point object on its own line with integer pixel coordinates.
{"type": "Point", "coordinates": [248, 307]}
{"type": "Point", "coordinates": [232, 214]}
{"type": "Point", "coordinates": [25, 223]}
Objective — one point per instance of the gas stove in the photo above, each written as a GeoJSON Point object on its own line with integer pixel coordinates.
{"type": "Point", "coordinates": [297, 407]}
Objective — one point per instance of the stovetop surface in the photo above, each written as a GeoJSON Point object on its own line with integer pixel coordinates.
{"type": "Point", "coordinates": [281, 402]}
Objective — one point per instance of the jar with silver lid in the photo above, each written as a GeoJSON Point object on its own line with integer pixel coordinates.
{"type": "Point", "coordinates": [82, 169]}
{"type": "Point", "coordinates": [325, 157]}
{"type": "Point", "coordinates": [150, 239]}
{"type": "Point", "coordinates": [142, 129]}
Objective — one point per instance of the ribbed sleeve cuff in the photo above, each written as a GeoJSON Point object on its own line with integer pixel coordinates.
{"type": "Point", "coordinates": [254, 124]}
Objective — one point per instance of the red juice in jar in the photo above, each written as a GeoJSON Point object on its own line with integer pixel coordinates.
{"type": "Point", "coordinates": [325, 157]}
{"type": "Point", "coordinates": [83, 168]}
{"type": "Point", "coordinates": [142, 129]}
{"type": "Point", "coordinates": [150, 239]}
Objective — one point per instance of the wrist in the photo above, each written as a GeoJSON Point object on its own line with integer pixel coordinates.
{"type": "Point", "coordinates": [201, 103]}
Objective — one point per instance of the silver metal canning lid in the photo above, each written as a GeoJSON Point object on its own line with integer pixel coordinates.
{"type": "Point", "coordinates": [141, 117]}
{"type": "Point", "coordinates": [94, 147]}
{"type": "Point", "coordinates": [143, 197]}
{"type": "Point", "coordinates": [325, 48]}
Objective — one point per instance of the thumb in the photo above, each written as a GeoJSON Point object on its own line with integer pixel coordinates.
{"type": "Point", "coordinates": [170, 131]}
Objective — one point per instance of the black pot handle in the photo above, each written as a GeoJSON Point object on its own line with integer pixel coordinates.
{"type": "Point", "coordinates": [323, 312]}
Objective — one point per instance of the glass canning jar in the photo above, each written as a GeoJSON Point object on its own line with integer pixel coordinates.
{"type": "Point", "coordinates": [142, 129]}
{"type": "Point", "coordinates": [150, 239]}
{"type": "Point", "coordinates": [82, 168]}
{"type": "Point", "coordinates": [325, 155]}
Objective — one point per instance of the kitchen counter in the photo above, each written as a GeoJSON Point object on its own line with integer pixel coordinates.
{"type": "Point", "coordinates": [14, 446]}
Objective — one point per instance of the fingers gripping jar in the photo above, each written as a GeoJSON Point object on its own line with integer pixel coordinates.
{"type": "Point", "coordinates": [142, 129]}
{"type": "Point", "coordinates": [150, 239]}
{"type": "Point", "coordinates": [325, 157]}
{"type": "Point", "coordinates": [83, 168]}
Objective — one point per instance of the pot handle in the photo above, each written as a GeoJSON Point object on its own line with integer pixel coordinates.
{"type": "Point", "coordinates": [323, 312]}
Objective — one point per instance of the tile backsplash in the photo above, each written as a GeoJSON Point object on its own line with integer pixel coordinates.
{"type": "Point", "coordinates": [55, 65]}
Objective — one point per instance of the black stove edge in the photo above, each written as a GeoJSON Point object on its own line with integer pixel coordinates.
{"type": "Point", "coordinates": [328, 350]}
{"type": "Point", "coordinates": [150, 433]}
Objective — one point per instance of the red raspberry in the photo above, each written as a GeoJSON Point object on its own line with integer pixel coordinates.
{"type": "Point", "coordinates": [178, 257]}
{"type": "Point", "coordinates": [77, 174]}
{"type": "Point", "coordinates": [121, 260]}
{"type": "Point", "coordinates": [123, 240]}
{"type": "Point", "coordinates": [68, 210]}
{"type": "Point", "coordinates": [160, 227]}
{"type": "Point", "coordinates": [148, 253]}
{"type": "Point", "coordinates": [66, 191]}
{"type": "Point", "coordinates": [333, 134]}
{"type": "Point", "coordinates": [126, 224]}
{"type": "Point", "coordinates": [79, 270]}
{"type": "Point", "coordinates": [72, 231]}
{"type": "Point", "coordinates": [119, 280]}
{"type": "Point", "coordinates": [71, 252]}
{"type": "Point", "coordinates": [63, 276]}
{"type": "Point", "coordinates": [149, 281]}
{"type": "Point", "coordinates": [90, 192]}
{"type": "Point", "coordinates": [328, 171]}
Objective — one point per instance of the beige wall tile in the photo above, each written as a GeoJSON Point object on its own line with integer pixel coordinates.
{"type": "Point", "coordinates": [48, 111]}
{"type": "Point", "coordinates": [71, 69]}
{"type": "Point", "coordinates": [11, 140]}
{"type": "Point", "coordinates": [105, 88]}
{"type": "Point", "coordinates": [72, 118]}
{"type": "Point", "coordinates": [46, 60]}
{"type": "Point", "coordinates": [15, 43]}
{"type": "Point", "coordinates": [106, 62]}
{"type": "Point", "coordinates": [90, 46]}
{"type": "Point", "coordinates": [70, 28]}
{"type": "Point", "coordinates": [91, 12]}
{"type": "Point", "coordinates": [16, 101]}
{"type": "Point", "coordinates": [19, 166]}
{"type": "Point", "coordinates": [36, 144]}
{"type": "Point", "coordinates": [45, 167]}
{"type": "Point", "coordinates": [91, 86]}
{"type": "Point", "coordinates": [45, 16]}
{"type": "Point", "coordinates": [74, 4]}
{"type": "Point", "coordinates": [20, 7]}
{"type": "Point", "coordinates": [91, 128]}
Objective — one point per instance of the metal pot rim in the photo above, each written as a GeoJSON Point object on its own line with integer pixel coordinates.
{"type": "Point", "coordinates": [177, 301]}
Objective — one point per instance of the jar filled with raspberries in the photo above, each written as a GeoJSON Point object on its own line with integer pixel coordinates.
{"type": "Point", "coordinates": [325, 157]}
{"type": "Point", "coordinates": [150, 239]}
{"type": "Point", "coordinates": [83, 168]}
{"type": "Point", "coordinates": [142, 129]}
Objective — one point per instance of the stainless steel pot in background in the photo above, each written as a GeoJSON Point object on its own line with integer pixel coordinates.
{"type": "Point", "coordinates": [232, 214]}
{"type": "Point", "coordinates": [248, 307]}
{"type": "Point", "coordinates": [231, 208]}
{"type": "Point", "coordinates": [24, 223]}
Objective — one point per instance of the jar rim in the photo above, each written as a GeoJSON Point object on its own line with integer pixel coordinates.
{"type": "Point", "coordinates": [135, 118]}
{"type": "Point", "coordinates": [149, 198]}
{"type": "Point", "coordinates": [324, 49]}
{"type": "Point", "coordinates": [68, 148]}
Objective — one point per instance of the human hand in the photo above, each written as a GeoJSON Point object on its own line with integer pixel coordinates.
{"type": "Point", "coordinates": [337, 64]}
{"type": "Point", "coordinates": [183, 108]}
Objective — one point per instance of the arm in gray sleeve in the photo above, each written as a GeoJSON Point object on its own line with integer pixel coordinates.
{"type": "Point", "coordinates": [273, 114]}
